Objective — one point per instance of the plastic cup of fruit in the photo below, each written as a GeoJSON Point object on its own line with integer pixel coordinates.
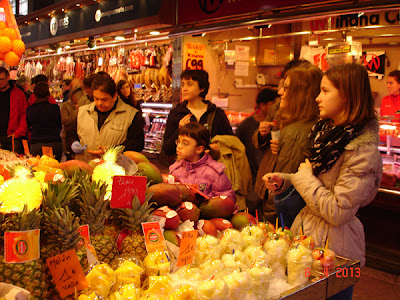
{"type": "Point", "coordinates": [298, 262]}
{"type": "Point", "coordinates": [213, 289]}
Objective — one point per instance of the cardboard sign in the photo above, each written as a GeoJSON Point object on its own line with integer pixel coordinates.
{"type": "Point", "coordinates": [125, 187]}
{"type": "Point", "coordinates": [26, 147]}
{"type": "Point", "coordinates": [85, 234]}
{"type": "Point", "coordinates": [194, 56]}
{"type": "Point", "coordinates": [153, 237]}
{"type": "Point", "coordinates": [188, 245]}
{"type": "Point", "coordinates": [21, 246]}
{"type": "Point", "coordinates": [47, 151]}
{"type": "Point", "coordinates": [67, 273]}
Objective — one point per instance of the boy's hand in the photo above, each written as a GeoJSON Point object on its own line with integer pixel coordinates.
{"type": "Point", "coordinates": [185, 120]}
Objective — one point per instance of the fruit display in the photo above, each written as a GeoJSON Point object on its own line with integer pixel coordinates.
{"type": "Point", "coordinates": [11, 45]}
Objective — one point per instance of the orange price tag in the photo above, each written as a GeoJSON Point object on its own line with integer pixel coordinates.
{"type": "Point", "coordinates": [154, 238]}
{"type": "Point", "coordinates": [67, 273]}
{"type": "Point", "coordinates": [26, 147]}
{"type": "Point", "coordinates": [47, 151]}
{"type": "Point", "coordinates": [84, 233]}
{"type": "Point", "coordinates": [186, 250]}
{"type": "Point", "coordinates": [21, 246]}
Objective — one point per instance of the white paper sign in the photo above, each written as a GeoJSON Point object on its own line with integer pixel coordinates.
{"type": "Point", "coordinates": [242, 68]}
{"type": "Point", "coordinates": [242, 53]}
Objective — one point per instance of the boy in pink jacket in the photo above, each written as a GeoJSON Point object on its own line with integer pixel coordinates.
{"type": "Point", "coordinates": [194, 166]}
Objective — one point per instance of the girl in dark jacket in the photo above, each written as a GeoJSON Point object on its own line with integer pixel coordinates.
{"type": "Point", "coordinates": [44, 122]}
{"type": "Point", "coordinates": [194, 88]}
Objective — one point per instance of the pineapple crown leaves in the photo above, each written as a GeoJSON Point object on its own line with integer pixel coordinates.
{"type": "Point", "coordinates": [24, 220]}
{"type": "Point", "coordinates": [94, 208]}
{"type": "Point", "coordinates": [21, 171]}
{"type": "Point", "coordinates": [112, 153]}
{"type": "Point", "coordinates": [59, 194]}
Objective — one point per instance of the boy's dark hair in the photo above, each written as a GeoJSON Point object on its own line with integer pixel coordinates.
{"type": "Point", "coordinates": [4, 71]}
{"type": "Point", "coordinates": [201, 77]}
{"type": "Point", "coordinates": [266, 95]}
{"type": "Point", "coordinates": [105, 84]}
{"type": "Point", "coordinates": [395, 74]}
{"type": "Point", "coordinates": [201, 135]}
{"type": "Point", "coordinates": [40, 78]}
{"type": "Point", "coordinates": [41, 91]}
{"type": "Point", "coordinates": [88, 80]}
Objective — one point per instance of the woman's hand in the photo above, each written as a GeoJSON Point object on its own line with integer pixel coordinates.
{"type": "Point", "coordinates": [273, 181]}
{"type": "Point", "coordinates": [97, 152]}
{"type": "Point", "coordinates": [185, 120]}
{"type": "Point", "coordinates": [274, 144]}
{"type": "Point", "coordinates": [305, 164]}
{"type": "Point", "coordinates": [265, 128]}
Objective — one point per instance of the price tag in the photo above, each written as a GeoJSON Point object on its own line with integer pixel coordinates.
{"type": "Point", "coordinates": [67, 273]}
{"type": "Point", "coordinates": [91, 254]}
{"type": "Point", "coordinates": [47, 151]}
{"type": "Point", "coordinates": [125, 187]}
{"type": "Point", "coordinates": [26, 147]}
{"type": "Point", "coordinates": [153, 237]}
{"type": "Point", "coordinates": [21, 246]}
{"type": "Point", "coordinates": [188, 245]}
{"type": "Point", "coordinates": [194, 56]}
{"type": "Point", "coordinates": [85, 234]}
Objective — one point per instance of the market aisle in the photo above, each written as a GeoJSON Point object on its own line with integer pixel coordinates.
{"type": "Point", "coordinates": [377, 285]}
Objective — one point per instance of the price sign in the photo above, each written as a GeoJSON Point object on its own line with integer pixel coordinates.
{"type": "Point", "coordinates": [47, 151]}
{"type": "Point", "coordinates": [26, 147]}
{"type": "Point", "coordinates": [188, 245]}
{"type": "Point", "coordinates": [85, 234]}
{"type": "Point", "coordinates": [21, 246]}
{"type": "Point", "coordinates": [125, 187]}
{"type": "Point", "coordinates": [67, 273]}
{"type": "Point", "coordinates": [194, 56]}
{"type": "Point", "coordinates": [153, 237]}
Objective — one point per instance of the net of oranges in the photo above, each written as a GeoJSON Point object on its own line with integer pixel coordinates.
{"type": "Point", "coordinates": [11, 46]}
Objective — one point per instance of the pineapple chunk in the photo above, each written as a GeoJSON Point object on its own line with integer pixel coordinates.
{"type": "Point", "coordinates": [186, 292]}
{"type": "Point", "coordinates": [159, 285]}
{"type": "Point", "coordinates": [130, 291]}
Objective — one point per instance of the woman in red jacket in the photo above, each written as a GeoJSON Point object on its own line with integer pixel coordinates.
{"type": "Point", "coordinates": [391, 103]}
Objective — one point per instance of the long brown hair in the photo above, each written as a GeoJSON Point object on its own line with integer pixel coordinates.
{"type": "Point", "coordinates": [353, 84]}
{"type": "Point", "coordinates": [131, 98]}
{"type": "Point", "coordinates": [303, 89]}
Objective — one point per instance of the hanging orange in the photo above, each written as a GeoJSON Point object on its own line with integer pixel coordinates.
{"type": "Point", "coordinates": [11, 33]}
{"type": "Point", "coordinates": [11, 59]}
{"type": "Point", "coordinates": [3, 25]}
{"type": "Point", "coordinates": [18, 47]}
{"type": "Point", "coordinates": [2, 56]}
{"type": "Point", "coordinates": [5, 44]}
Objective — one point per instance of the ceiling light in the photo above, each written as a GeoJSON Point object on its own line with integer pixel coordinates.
{"type": "Point", "coordinates": [154, 32]}
{"type": "Point", "coordinates": [67, 47]}
{"type": "Point", "coordinates": [49, 15]}
{"type": "Point", "coordinates": [59, 50]}
{"type": "Point", "coordinates": [63, 9]}
{"type": "Point", "coordinates": [78, 4]}
{"type": "Point", "coordinates": [135, 30]}
{"type": "Point", "coordinates": [119, 38]}
{"type": "Point", "coordinates": [203, 34]}
{"type": "Point", "coordinates": [37, 19]}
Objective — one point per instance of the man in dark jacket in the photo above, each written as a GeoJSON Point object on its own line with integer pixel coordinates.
{"type": "Point", "coordinates": [12, 114]}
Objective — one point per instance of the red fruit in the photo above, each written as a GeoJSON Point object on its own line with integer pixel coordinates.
{"type": "Point", "coordinates": [221, 224]}
{"type": "Point", "coordinates": [217, 207]}
{"type": "Point", "coordinates": [172, 219]}
{"type": "Point", "coordinates": [327, 263]}
{"type": "Point", "coordinates": [54, 177]}
{"type": "Point", "coordinates": [172, 237]}
{"type": "Point", "coordinates": [188, 211]}
{"type": "Point", "coordinates": [241, 219]}
{"type": "Point", "coordinates": [165, 194]}
{"type": "Point", "coordinates": [72, 166]}
{"type": "Point", "coordinates": [207, 226]}
{"type": "Point", "coordinates": [317, 254]}
{"type": "Point", "coordinates": [188, 194]}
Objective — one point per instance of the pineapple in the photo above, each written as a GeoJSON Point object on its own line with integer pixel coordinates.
{"type": "Point", "coordinates": [95, 211]}
{"type": "Point", "coordinates": [131, 219]}
{"type": "Point", "coordinates": [109, 168]}
{"type": "Point", "coordinates": [31, 275]}
{"type": "Point", "coordinates": [19, 190]}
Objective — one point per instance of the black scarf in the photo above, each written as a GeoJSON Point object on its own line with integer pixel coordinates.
{"type": "Point", "coordinates": [326, 143]}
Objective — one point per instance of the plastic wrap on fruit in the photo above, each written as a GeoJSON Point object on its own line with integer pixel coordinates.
{"type": "Point", "coordinates": [128, 273]}
{"type": "Point", "coordinates": [187, 273]}
{"type": "Point", "coordinates": [231, 239]}
{"type": "Point", "coordinates": [213, 289]}
{"type": "Point", "coordinates": [256, 255]}
{"type": "Point", "coordinates": [101, 278]}
{"type": "Point", "coordinates": [277, 247]}
{"type": "Point", "coordinates": [324, 259]}
{"type": "Point", "coordinates": [299, 260]}
{"type": "Point", "coordinates": [212, 268]}
{"type": "Point", "coordinates": [92, 296]}
{"type": "Point", "coordinates": [159, 285]}
{"type": "Point", "coordinates": [235, 261]}
{"type": "Point", "coordinates": [266, 227]}
{"type": "Point", "coordinates": [260, 278]}
{"type": "Point", "coordinates": [253, 235]}
{"type": "Point", "coordinates": [238, 283]}
{"type": "Point", "coordinates": [306, 241]}
{"type": "Point", "coordinates": [157, 263]}
{"type": "Point", "coordinates": [183, 292]}
{"type": "Point", "coordinates": [207, 248]}
{"type": "Point", "coordinates": [127, 292]}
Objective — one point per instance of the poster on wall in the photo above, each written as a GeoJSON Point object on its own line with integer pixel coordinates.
{"type": "Point", "coordinates": [242, 53]}
{"type": "Point", "coordinates": [194, 56]}
{"type": "Point", "coordinates": [375, 62]}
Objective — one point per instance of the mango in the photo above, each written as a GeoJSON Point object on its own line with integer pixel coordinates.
{"type": "Point", "coordinates": [137, 157]}
{"type": "Point", "coordinates": [217, 207]}
{"type": "Point", "coordinates": [172, 237]}
{"type": "Point", "coordinates": [241, 219]}
{"type": "Point", "coordinates": [151, 171]}
{"type": "Point", "coordinates": [165, 194]}
{"type": "Point", "coordinates": [72, 166]}
{"type": "Point", "coordinates": [188, 211]}
{"type": "Point", "coordinates": [188, 195]}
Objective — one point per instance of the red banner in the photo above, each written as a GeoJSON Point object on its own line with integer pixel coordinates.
{"type": "Point", "coordinates": [209, 9]}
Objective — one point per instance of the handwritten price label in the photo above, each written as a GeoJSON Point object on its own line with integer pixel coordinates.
{"type": "Point", "coordinates": [194, 56]}
{"type": "Point", "coordinates": [125, 187]}
{"type": "Point", "coordinates": [47, 151]}
{"type": "Point", "coordinates": [67, 273]}
{"type": "Point", "coordinates": [188, 245]}
{"type": "Point", "coordinates": [26, 147]}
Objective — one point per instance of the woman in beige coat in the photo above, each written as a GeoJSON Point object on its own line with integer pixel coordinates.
{"type": "Point", "coordinates": [344, 166]}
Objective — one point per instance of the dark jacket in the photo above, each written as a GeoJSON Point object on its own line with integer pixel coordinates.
{"type": "Point", "coordinates": [220, 126]}
{"type": "Point", "coordinates": [44, 122]}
